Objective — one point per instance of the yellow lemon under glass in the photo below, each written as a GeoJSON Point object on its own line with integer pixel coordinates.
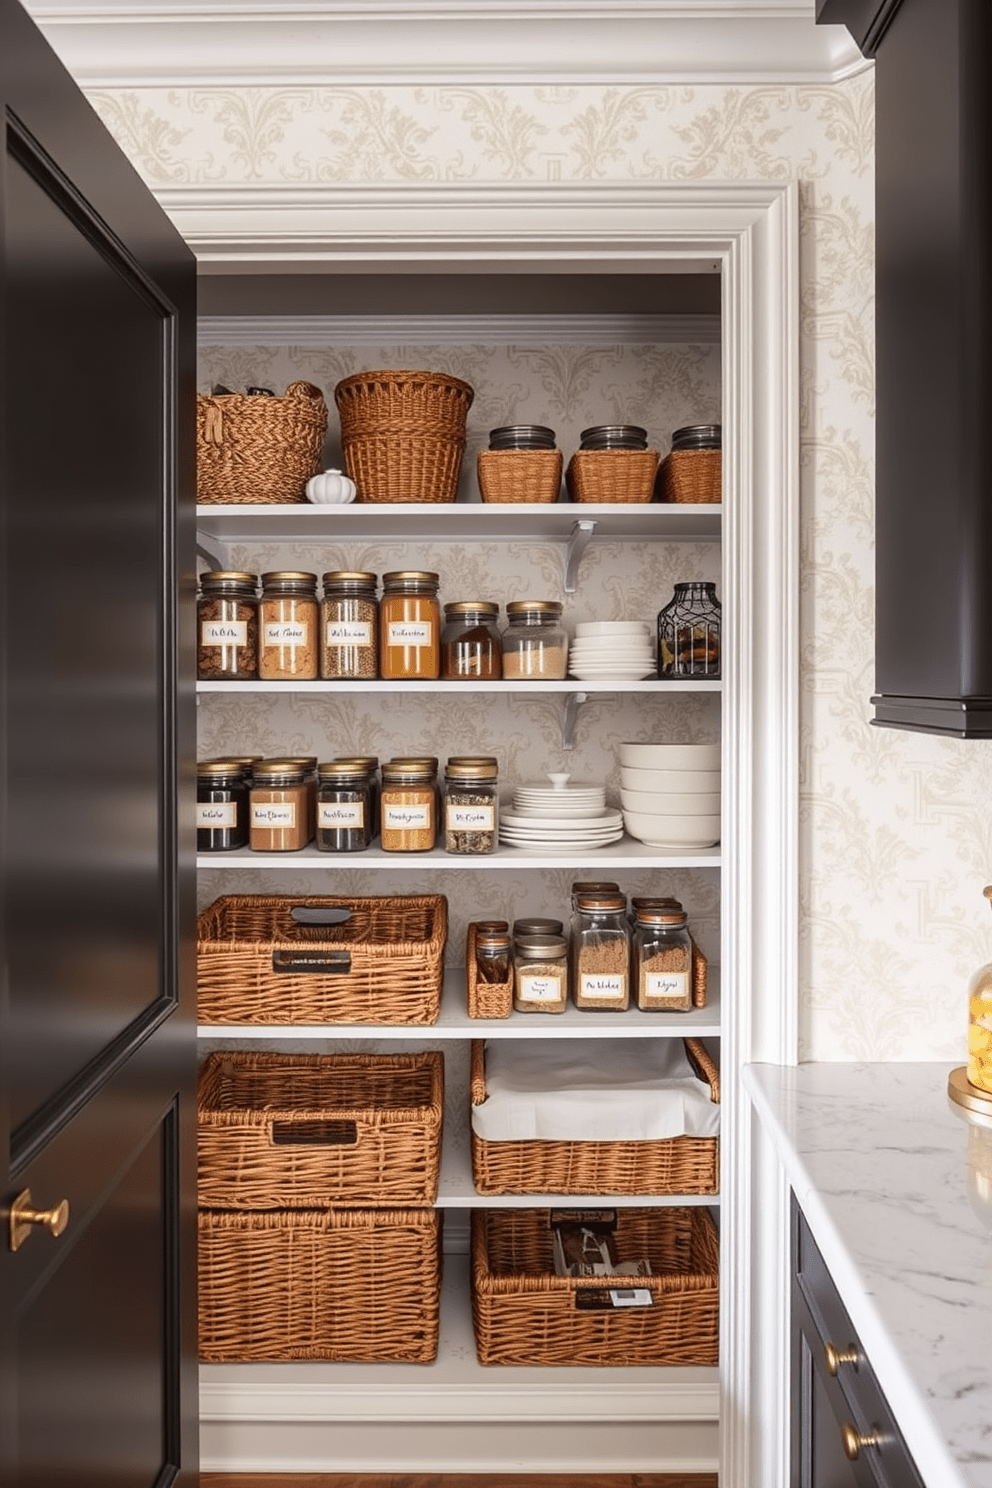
{"type": "Point", "coordinates": [971, 1086]}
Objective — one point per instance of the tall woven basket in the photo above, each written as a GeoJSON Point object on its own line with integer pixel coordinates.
{"type": "Point", "coordinates": [254, 449]}
{"type": "Point", "coordinates": [403, 434]}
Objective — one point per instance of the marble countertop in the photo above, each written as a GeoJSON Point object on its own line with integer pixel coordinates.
{"type": "Point", "coordinates": [896, 1184]}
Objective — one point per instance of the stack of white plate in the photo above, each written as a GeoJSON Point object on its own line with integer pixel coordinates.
{"type": "Point", "coordinates": [559, 817]}
{"type": "Point", "coordinates": [670, 794]}
{"type": "Point", "coordinates": [604, 650]}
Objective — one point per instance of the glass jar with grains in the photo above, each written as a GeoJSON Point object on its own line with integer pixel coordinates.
{"type": "Point", "coordinates": [534, 643]}
{"type": "Point", "coordinates": [349, 625]}
{"type": "Point", "coordinates": [661, 959]}
{"type": "Point", "coordinates": [408, 805]}
{"type": "Point", "coordinates": [601, 953]}
{"type": "Point", "coordinates": [288, 629]}
{"type": "Point", "coordinates": [540, 974]}
{"type": "Point", "coordinates": [470, 640]}
{"type": "Point", "coordinates": [279, 807]}
{"type": "Point", "coordinates": [409, 625]}
{"type": "Point", "coordinates": [227, 627]}
{"type": "Point", "coordinates": [344, 807]}
{"type": "Point", "coordinates": [221, 806]}
{"type": "Point", "coordinates": [471, 804]}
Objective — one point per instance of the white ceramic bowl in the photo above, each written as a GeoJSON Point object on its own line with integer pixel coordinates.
{"type": "Point", "coordinates": [678, 803]}
{"type": "Point", "coordinates": [672, 831]}
{"type": "Point", "coordinates": [669, 780]}
{"type": "Point", "coordinates": [671, 756]}
{"type": "Point", "coordinates": [613, 627]}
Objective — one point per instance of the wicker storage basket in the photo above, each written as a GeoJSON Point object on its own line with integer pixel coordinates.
{"type": "Point", "coordinates": [332, 1284]}
{"type": "Point", "coordinates": [255, 964]}
{"type": "Point", "coordinates": [519, 475]}
{"type": "Point", "coordinates": [665, 1166]}
{"type": "Point", "coordinates": [526, 1315]}
{"type": "Point", "coordinates": [485, 999]}
{"type": "Point", "coordinates": [698, 969]}
{"type": "Point", "coordinates": [304, 1131]}
{"type": "Point", "coordinates": [256, 449]}
{"type": "Point", "coordinates": [615, 475]}
{"type": "Point", "coordinates": [690, 476]}
{"type": "Point", "coordinates": [403, 434]}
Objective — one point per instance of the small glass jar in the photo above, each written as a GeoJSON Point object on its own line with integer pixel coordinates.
{"type": "Point", "coordinates": [471, 645]}
{"type": "Point", "coordinates": [601, 953]}
{"type": "Point", "coordinates": [227, 627]}
{"type": "Point", "coordinates": [408, 806]}
{"type": "Point", "coordinates": [279, 807]}
{"type": "Point", "coordinates": [540, 974]}
{"type": "Point", "coordinates": [534, 642]}
{"type": "Point", "coordinates": [979, 1069]}
{"type": "Point", "coordinates": [288, 628]}
{"type": "Point", "coordinates": [371, 764]}
{"type": "Point", "coordinates": [344, 807]}
{"type": "Point", "coordinates": [689, 633]}
{"type": "Point", "coordinates": [349, 625]}
{"type": "Point", "coordinates": [221, 806]}
{"type": "Point", "coordinates": [471, 804]}
{"type": "Point", "coordinates": [409, 625]}
{"type": "Point", "coordinates": [661, 959]}
{"type": "Point", "coordinates": [493, 958]}
{"type": "Point", "coordinates": [698, 437]}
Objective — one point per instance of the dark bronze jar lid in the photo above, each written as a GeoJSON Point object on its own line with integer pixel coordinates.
{"type": "Point", "coordinates": [522, 436]}
{"type": "Point", "coordinates": [614, 436]}
{"type": "Point", "coordinates": [471, 607]}
{"type": "Point", "coordinates": [698, 436]}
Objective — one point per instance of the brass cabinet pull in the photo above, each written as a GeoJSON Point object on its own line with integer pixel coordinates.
{"type": "Point", "coordinates": [853, 1442]}
{"type": "Point", "coordinates": [836, 1357]}
{"type": "Point", "coordinates": [23, 1217]}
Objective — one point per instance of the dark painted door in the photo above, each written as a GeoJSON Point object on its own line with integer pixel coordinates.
{"type": "Point", "coordinates": [97, 1036]}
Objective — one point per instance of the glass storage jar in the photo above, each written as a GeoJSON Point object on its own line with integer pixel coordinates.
{"type": "Point", "coordinates": [492, 955]}
{"type": "Point", "coordinates": [221, 806]}
{"type": "Point", "coordinates": [471, 804]}
{"type": "Point", "coordinates": [540, 974]}
{"type": "Point", "coordinates": [661, 958]}
{"type": "Point", "coordinates": [534, 643]}
{"type": "Point", "coordinates": [689, 633]}
{"type": "Point", "coordinates": [371, 763]}
{"type": "Point", "coordinates": [227, 627]}
{"type": "Point", "coordinates": [344, 807]}
{"type": "Point", "coordinates": [471, 645]}
{"type": "Point", "coordinates": [410, 625]}
{"type": "Point", "coordinates": [279, 807]}
{"type": "Point", "coordinates": [308, 764]}
{"type": "Point", "coordinates": [349, 625]}
{"type": "Point", "coordinates": [979, 1069]}
{"type": "Point", "coordinates": [601, 953]}
{"type": "Point", "coordinates": [408, 806]}
{"type": "Point", "coordinates": [288, 627]}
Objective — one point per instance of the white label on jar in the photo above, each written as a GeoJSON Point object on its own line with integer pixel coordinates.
{"type": "Point", "coordinates": [538, 988]}
{"type": "Point", "coordinates": [406, 818]}
{"type": "Point", "coordinates": [409, 633]}
{"type": "Point", "coordinates": [601, 986]}
{"type": "Point", "coordinates": [273, 814]}
{"type": "Point", "coordinates": [216, 814]}
{"type": "Point", "coordinates": [285, 633]}
{"type": "Point", "coordinates": [340, 814]}
{"type": "Point", "coordinates": [471, 818]}
{"type": "Point", "coordinates": [348, 633]}
{"type": "Point", "coordinates": [666, 984]}
{"type": "Point", "coordinates": [224, 633]}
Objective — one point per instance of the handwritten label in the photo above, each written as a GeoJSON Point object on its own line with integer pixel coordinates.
{"type": "Point", "coordinates": [666, 984]}
{"type": "Point", "coordinates": [409, 633]}
{"type": "Point", "coordinates": [224, 633]}
{"type": "Point", "coordinates": [406, 818]}
{"type": "Point", "coordinates": [340, 814]}
{"type": "Point", "coordinates": [539, 989]}
{"type": "Point", "coordinates": [290, 633]}
{"type": "Point", "coordinates": [348, 633]}
{"type": "Point", "coordinates": [602, 987]}
{"type": "Point", "coordinates": [273, 814]}
{"type": "Point", "coordinates": [471, 818]}
{"type": "Point", "coordinates": [216, 814]}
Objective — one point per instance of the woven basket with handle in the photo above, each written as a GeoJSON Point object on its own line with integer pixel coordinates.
{"type": "Point", "coordinates": [256, 449]}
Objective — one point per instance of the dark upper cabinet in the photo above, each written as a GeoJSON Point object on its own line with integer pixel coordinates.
{"type": "Point", "coordinates": [933, 615]}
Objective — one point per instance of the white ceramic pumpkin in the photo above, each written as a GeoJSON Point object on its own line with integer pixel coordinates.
{"type": "Point", "coordinates": [330, 489]}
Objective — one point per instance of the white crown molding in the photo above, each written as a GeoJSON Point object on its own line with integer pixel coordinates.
{"type": "Point", "coordinates": [458, 330]}
{"type": "Point", "coordinates": [363, 43]}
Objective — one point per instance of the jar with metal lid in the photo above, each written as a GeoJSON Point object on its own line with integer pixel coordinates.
{"type": "Point", "coordinates": [493, 956]}
{"type": "Point", "coordinates": [371, 764]}
{"type": "Point", "coordinates": [661, 958]}
{"type": "Point", "coordinates": [492, 927]}
{"type": "Point", "coordinates": [279, 807]}
{"type": "Point", "coordinates": [614, 436]}
{"type": "Point", "coordinates": [540, 974]}
{"type": "Point", "coordinates": [698, 436]}
{"type": "Point", "coordinates": [349, 625]}
{"type": "Point", "coordinates": [308, 764]}
{"type": "Point", "coordinates": [601, 953]}
{"type": "Point", "coordinates": [410, 625]}
{"type": "Point", "coordinates": [288, 627]}
{"type": "Point", "coordinates": [689, 632]}
{"type": "Point", "coordinates": [227, 627]}
{"type": "Point", "coordinates": [471, 645]}
{"type": "Point", "coordinates": [537, 925]}
{"type": "Point", "coordinates": [408, 806]}
{"type": "Point", "coordinates": [522, 437]}
{"type": "Point", "coordinates": [534, 642]}
{"type": "Point", "coordinates": [592, 886]}
{"type": "Point", "coordinates": [344, 807]}
{"type": "Point", "coordinates": [221, 806]}
{"type": "Point", "coordinates": [471, 804]}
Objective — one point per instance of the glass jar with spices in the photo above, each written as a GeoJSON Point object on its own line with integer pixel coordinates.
{"type": "Point", "coordinates": [279, 807]}
{"type": "Point", "coordinates": [470, 640]}
{"type": "Point", "coordinates": [344, 807]}
{"type": "Point", "coordinates": [471, 804]}
{"type": "Point", "coordinates": [349, 625]}
{"type": "Point", "coordinates": [534, 643]}
{"type": "Point", "coordinates": [227, 627]}
{"type": "Point", "coordinates": [371, 766]}
{"type": "Point", "coordinates": [308, 764]}
{"type": "Point", "coordinates": [288, 628]}
{"type": "Point", "coordinates": [661, 959]}
{"type": "Point", "coordinates": [221, 806]}
{"type": "Point", "coordinates": [408, 806]}
{"type": "Point", "coordinates": [492, 955]}
{"type": "Point", "coordinates": [540, 974]}
{"type": "Point", "coordinates": [601, 953]}
{"type": "Point", "coordinates": [409, 625]}
{"type": "Point", "coordinates": [689, 633]}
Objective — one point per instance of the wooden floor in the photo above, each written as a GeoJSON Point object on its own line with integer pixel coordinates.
{"type": "Point", "coordinates": [457, 1480]}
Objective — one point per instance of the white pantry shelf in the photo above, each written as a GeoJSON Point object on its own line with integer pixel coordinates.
{"type": "Point", "coordinates": [537, 686]}
{"type": "Point", "coordinates": [627, 853]}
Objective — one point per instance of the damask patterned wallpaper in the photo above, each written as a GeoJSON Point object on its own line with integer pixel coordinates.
{"type": "Point", "coordinates": [896, 839]}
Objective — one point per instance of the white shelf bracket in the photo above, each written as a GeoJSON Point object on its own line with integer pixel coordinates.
{"type": "Point", "coordinates": [579, 540]}
{"type": "Point", "coordinates": [215, 555]}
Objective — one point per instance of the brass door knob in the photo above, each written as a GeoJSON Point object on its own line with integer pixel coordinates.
{"type": "Point", "coordinates": [24, 1217]}
{"type": "Point", "coordinates": [854, 1442]}
{"type": "Point", "coordinates": [836, 1357]}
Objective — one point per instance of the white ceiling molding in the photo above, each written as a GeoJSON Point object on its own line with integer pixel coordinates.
{"type": "Point", "coordinates": [458, 330]}
{"type": "Point", "coordinates": [235, 43]}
